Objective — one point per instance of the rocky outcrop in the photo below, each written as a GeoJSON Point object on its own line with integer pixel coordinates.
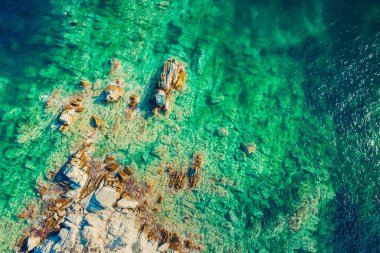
{"type": "Point", "coordinates": [94, 209]}
{"type": "Point", "coordinates": [173, 77]}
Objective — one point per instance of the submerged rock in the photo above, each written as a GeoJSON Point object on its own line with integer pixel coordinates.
{"type": "Point", "coordinates": [248, 148]}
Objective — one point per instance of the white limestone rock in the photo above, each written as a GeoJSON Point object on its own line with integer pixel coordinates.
{"type": "Point", "coordinates": [33, 241]}
{"type": "Point", "coordinates": [102, 199]}
{"type": "Point", "coordinates": [126, 203]}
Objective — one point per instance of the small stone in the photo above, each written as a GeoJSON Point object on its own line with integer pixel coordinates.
{"type": "Point", "coordinates": [110, 158]}
{"type": "Point", "coordinates": [67, 116]}
{"type": "Point", "coordinates": [98, 121]}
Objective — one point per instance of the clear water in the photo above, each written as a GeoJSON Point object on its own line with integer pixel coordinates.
{"type": "Point", "coordinates": [301, 80]}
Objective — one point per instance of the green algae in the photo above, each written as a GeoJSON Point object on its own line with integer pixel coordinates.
{"type": "Point", "coordinates": [244, 75]}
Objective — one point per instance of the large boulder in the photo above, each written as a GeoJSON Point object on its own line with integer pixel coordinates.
{"type": "Point", "coordinates": [67, 117]}
{"type": "Point", "coordinates": [102, 199]}
{"type": "Point", "coordinates": [74, 173]}
{"type": "Point", "coordinates": [126, 203]}
{"type": "Point", "coordinates": [32, 242]}
{"type": "Point", "coordinates": [113, 93]}
{"type": "Point", "coordinates": [66, 241]}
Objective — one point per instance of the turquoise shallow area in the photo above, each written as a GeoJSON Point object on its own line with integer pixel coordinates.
{"type": "Point", "coordinates": [299, 79]}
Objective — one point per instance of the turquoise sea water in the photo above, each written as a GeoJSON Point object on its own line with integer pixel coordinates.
{"type": "Point", "coordinates": [299, 79]}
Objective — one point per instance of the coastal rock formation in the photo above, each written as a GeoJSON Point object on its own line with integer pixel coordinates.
{"type": "Point", "coordinates": [94, 209]}
{"type": "Point", "coordinates": [97, 205]}
{"type": "Point", "coordinates": [173, 77]}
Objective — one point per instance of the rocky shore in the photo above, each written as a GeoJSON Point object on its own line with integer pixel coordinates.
{"type": "Point", "coordinates": [94, 204]}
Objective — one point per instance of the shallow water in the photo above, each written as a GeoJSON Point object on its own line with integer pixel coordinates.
{"type": "Point", "coordinates": [300, 80]}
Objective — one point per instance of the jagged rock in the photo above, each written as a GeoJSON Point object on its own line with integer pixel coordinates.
{"type": "Point", "coordinates": [91, 238]}
{"type": "Point", "coordinates": [122, 175]}
{"type": "Point", "coordinates": [113, 92]}
{"type": "Point", "coordinates": [129, 170]}
{"type": "Point", "coordinates": [102, 199]}
{"type": "Point", "coordinates": [67, 116]}
{"type": "Point", "coordinates": [112, 166]}
{"type": "Point", "coordinates": [98, 121]}
{"type": "Point", "coordinates": [74, 174]}
{"type": "Point", "coordinates": [32, 242]}
{"type": "Point", "coordinates": [127, 203]}
{"type": "Point", "coordinates": [133, 101]}
{"type": "Point", "coordinates": [46, 246]}
{"type": "Point", "coordinates": [172, 78]}
{"type": "Point", "coordinates": [173, 75]}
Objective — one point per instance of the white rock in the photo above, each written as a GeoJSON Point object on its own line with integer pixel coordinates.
{"type": "Point", "coordinates": [102, 199]}
{"type": "Point", "coordinates": [94, 220]}
{"type": "Point", "coordinates": [160, 98]}
{"type": "Point", "coordinates": [33, 241]}
{"type": "Point", "coordinates": [75, 174]}
{"type": "Point", "coordinates": [67, 116]}
{"type": "Point", "coordinates": [164, 247]}
{"type": "Point", "coordinates": [127, 203]}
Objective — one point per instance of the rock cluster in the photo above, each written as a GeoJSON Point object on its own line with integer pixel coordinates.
{"type": "Point", "coordinates": [191, 178]}
{"type": "Point", "coordinates": [67, 116]}
{"type": "Point", "coordinates": [95, 209]}
{"type": "Point", "coordinates": [173, 77]}
{"type": "Point", "coordinates": [96, 205]}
